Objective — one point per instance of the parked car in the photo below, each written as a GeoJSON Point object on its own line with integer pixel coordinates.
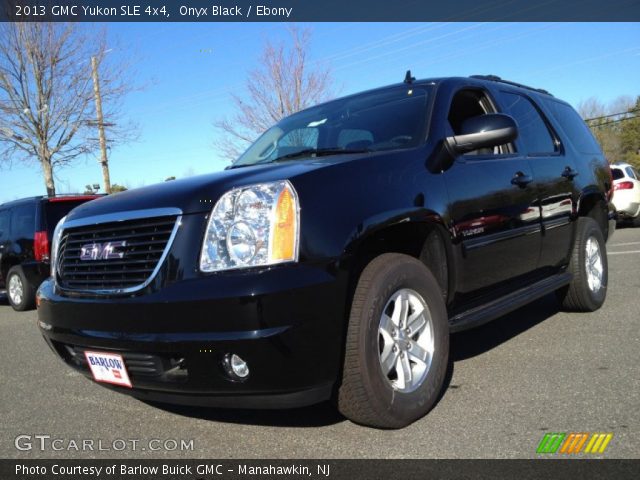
{"type": "Point", "coordinates": [26, 226]}
{"type": "Point", "coordinates": [626, 192]}
{"type": "Point", "coordinates": [333, 259]}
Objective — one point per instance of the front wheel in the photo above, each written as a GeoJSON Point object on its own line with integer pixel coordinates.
{"type": "Point", "coordinates": [588, 289]}
{"type": "Point", "coordinates": [397, 345]}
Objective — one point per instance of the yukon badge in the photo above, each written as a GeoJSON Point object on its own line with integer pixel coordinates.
{"type": "Point", "coordinates": [102, 251]}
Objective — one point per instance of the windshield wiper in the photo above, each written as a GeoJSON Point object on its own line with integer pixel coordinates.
{"type": "Point", "coordinates": [320, 152]}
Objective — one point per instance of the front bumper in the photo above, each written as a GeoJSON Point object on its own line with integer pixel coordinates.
{"type": "Point", "coordinates": [285, 322]}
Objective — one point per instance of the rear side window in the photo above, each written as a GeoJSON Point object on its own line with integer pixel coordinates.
{"type": "Point", "coordinates": [4, 224]}
{"type": "Point", "coordinates": [574, 127]}
{"type": "Point", "coordinates": [617, 174]}
{"type": "Point", "coordinates": [54, 211]}
{"type": "Point", "coordinates": [533, 133]}
{"type": "Point", "coordinates": [23, 222]}
{"type": "Point", "coordinates": [630, 173]}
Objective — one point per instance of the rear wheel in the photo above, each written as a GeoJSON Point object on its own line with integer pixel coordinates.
{"type": "Point", "coordinates": [397, 344]}
{"type": "Point", "coordinates": [20, 292]}
{"type": "Point", "coordinates": [588, 289]}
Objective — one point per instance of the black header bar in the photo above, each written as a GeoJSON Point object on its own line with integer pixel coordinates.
{"type": "Point", "coordinates": [320, 10]}
{"type": "Point", "coordinates": [208, 469]}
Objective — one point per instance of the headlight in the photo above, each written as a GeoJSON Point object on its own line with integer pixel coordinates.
{"type": "Point", "coordinates": [252, 226]}
{"type": "Point", "coordinates": [55, 242]}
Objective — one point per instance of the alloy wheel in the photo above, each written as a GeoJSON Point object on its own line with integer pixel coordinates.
{"type": "Point", "coordinates": [406, 342]}
{"type": "Point", "coordinates": [594, 265]}
{"type": "Point", "coordinates": [16, 289]}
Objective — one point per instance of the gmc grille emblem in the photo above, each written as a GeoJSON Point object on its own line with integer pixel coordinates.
{"type": "Point", "coordinates": [102, 251]}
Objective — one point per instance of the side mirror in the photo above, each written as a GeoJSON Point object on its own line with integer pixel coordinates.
{"type": "Point", "coordinates": [483, 131]}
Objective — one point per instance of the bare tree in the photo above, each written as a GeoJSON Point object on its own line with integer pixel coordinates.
{"type": "Point", "coordinates": [605, 125]}
{"type": "Point", "coordinates": [284, 83]}
{"type": "Point", "coordinates": [47, 110]}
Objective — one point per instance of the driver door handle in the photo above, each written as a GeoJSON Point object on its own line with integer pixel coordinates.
{"type": "Point", "coordinates": [521, 180]}
{"type": "Point", "coordinates": [569, 173]}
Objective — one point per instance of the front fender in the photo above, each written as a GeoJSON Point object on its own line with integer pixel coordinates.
{"type": "Point", "coordinates": [343, 205]}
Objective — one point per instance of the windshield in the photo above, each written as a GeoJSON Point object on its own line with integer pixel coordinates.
{"type": "Point", "coordinates": [382, 120]}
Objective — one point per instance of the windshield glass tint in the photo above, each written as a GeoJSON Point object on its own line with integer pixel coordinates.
{"type": "Point", "coordinates": [382, 120]}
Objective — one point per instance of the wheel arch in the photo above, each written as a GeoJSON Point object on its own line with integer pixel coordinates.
{"type": "Point", "coordinates": [5, 266]}
{"type": "Point", "coordinates": [593, 203]}
{"type": "Point", "coordinates": [424, 237]}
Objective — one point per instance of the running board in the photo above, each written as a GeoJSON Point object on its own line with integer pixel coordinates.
{"type": "Point", "coordinates": [497, 308]}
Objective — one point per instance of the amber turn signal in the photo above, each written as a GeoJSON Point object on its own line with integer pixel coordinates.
{"type": "Point", "coordinates": [284, 227]}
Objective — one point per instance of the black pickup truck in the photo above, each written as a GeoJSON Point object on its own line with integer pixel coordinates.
{"type": "Point", "coordinates": [333, 259]}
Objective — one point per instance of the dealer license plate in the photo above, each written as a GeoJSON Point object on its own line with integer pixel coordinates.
{"type": "Point", "coordinates": [108, 368]}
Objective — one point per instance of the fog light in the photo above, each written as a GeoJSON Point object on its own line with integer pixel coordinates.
{"type": "Point", "coordinates": [44, 325]}
{"type": "Point", "coordinates": [235, 367]}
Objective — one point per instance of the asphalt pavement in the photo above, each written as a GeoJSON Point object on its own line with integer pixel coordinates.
{"type": "Point", "coordinates": [535, 371]}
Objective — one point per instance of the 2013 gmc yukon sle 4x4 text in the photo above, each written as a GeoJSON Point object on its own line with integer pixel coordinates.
{"type": "Point", "coordinates": [335, 256]}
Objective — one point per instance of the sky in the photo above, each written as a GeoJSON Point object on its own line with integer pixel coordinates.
{"type": "Point", "coordinates": [189, 70]}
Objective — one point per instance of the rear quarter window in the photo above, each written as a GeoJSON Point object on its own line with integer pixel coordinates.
{"type": "Point", "coordinates": [617, 174]}
{"type": "Point", "coordinates": [574, 127]}
{"type": "Point", "coordinates": [54, 211]}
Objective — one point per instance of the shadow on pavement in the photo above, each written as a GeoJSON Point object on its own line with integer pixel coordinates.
{"type": "Point", "coordinates": [463, 345]}
{"type": "Point", "coordinates": [477, 341]}
{"type": "Point", "coordinates": [320, 415]}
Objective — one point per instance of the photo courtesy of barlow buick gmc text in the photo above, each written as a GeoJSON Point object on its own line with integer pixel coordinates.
{"type": "Point", "coordinates": [305, 240]}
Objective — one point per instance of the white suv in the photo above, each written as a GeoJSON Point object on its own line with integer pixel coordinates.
{"type": "Point", "coordinates": [626, 192]}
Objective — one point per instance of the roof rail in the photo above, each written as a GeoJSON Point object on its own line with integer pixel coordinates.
{"type": "Point", "coordinates": [495, 78]}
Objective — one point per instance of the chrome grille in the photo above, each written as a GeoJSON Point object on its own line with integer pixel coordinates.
{"type": "Point", "coordinates": [146, 240]}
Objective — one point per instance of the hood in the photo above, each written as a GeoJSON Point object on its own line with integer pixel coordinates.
{"type": "Point", "coordinates": [199, 193]}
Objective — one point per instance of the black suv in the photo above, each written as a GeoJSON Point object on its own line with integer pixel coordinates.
{"type": "Point", "coordinates": [26, 226]}
{"type": "Point", "coordinates": [335, 256]}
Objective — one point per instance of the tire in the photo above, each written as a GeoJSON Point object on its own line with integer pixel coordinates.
{"type": "Point", "coordinates": [20, 293]}
{"type": "Point", "coordinates": [586, 293]}
{"type": "Point", "coordinates": [368, 395]}
{"type": "Point", "coordinates": [635, 221]}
